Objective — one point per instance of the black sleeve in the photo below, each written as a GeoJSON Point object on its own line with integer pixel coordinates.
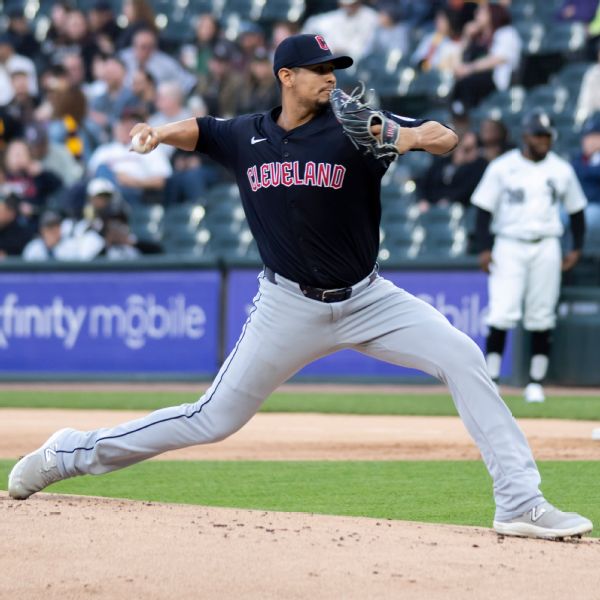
{"type": "Point", "coordinates": [484, 240]}
{"type": "Point", "coordinates": [577, 222]}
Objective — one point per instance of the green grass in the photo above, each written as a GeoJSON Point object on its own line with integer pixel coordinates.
{"type": "Point", "coordinates": [563, 407]}
{"type": "Point", "coordinates": [457, 492]}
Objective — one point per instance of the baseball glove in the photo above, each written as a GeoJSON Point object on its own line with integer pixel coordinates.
{"type": "Point", "coordinates": [356, 118]}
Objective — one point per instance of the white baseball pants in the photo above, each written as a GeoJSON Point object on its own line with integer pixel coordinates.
{"type": "Point", "coordinates": [524, 282]}
{"type": "Point", "coordinates": [284, 332]}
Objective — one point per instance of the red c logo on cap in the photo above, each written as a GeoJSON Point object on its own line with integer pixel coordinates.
{"type": "Point", "coordinates": [322, 44]}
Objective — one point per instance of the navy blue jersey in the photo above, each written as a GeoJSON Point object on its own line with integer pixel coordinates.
{"type": "Point", "coordinates": [310, 197]}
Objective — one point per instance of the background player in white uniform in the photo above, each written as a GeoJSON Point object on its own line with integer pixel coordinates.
{"type": "Point", "coordinates": [311, 196]}
{"type": "Point", "coordinates": [521, 193]}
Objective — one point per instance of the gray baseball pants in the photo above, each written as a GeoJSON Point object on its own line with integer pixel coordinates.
{"type": "Point", "coordinates": [285, 331]}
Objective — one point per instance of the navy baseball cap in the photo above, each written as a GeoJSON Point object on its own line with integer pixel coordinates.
{"type": "Point", "coordinates": [591, 124]}
{"type": "Point", "coordinates": [305, 50]}
{"type": "Point", "coordinates": [538, 122]}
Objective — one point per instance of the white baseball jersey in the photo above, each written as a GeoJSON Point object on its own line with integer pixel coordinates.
{"type": "Point", "coordinates": [524, 197]}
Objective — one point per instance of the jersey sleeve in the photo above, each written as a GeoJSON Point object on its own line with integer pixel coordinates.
{"type": "Point", "coordinates": [403, 121]}
{"type": "Point", "coordinates": [217, 139]}
{"type": "Point", "coordinates": [574, 199]}
{"type": "Point", "coordinates": [488, 190]}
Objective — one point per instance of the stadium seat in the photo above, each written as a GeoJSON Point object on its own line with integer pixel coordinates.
{"type": "Point", "coordinates": [416, 162]}
{"type": "Point", "coordinates": [184, 214]}
{"type": "Point", "coordinates": [283, 10]}
{"type": "Point", "coordinates": [570, 76]}
{"type": "Point", "coordinates": [443, 241]}
{"type": "Point", "coordinates": [222, 192]}
{"type": "Point", "coordinates": [184, 240]}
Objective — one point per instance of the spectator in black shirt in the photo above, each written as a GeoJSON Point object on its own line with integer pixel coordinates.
{"type": "Point", "coordinates": [29, 181]}
{"type": "Point", "coordinates": [20, 31]}
{"type": "Point", "coordinates": [13, 236]}
{"type": "Point", "coordinates": [453, 178]}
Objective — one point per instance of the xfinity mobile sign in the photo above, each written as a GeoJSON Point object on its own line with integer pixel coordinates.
{"type": "Point", "coordinates": [155, 322]}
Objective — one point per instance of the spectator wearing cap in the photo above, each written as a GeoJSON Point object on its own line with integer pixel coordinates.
{"type": "Point", "coordinates": [260, 91]}
{"type": "Point", "coordinates": [54, 157]}
{"type": "Point", "coordinates": [348, 30]}
{"type": "Point", "coordinates": [82, 239]}
{"type": "Point", "coordinates": [587, 164]}
{"type": "Point", "coordinates": [139, 177]}
{"type": "Point", "coordinates": [46, 244]}
{"type": "Point", "coordinates": [106, 108]}
{"type": "Point", "coordinates": [224, 83]}
{"type": "Point", "coordinates": [144, 54]}
{"type": "Point", "coordinates": [28, 180]}
{"type": "Point", "coordinates": [10, 62]}
{"type": "Point", "coordinates": [23, 105]}
{"type": "Point", "coordinates": [13, 236]}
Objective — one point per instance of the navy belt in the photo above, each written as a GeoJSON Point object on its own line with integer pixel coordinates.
{"type": "Point", "coordinates": [322, 294]}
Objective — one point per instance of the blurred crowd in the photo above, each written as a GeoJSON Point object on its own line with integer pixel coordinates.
{"type": "Point", "coordinates": [73, 84]}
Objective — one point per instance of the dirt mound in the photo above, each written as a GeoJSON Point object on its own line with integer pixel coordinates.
{"type": "Point", "coordinates": [69, 547]}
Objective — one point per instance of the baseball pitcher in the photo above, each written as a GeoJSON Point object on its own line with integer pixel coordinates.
{"type": "Point", "coordinates": [309, 174]}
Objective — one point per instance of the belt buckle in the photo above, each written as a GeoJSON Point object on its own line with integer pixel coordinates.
{"type": "Point", "coordinates": [336, 295]}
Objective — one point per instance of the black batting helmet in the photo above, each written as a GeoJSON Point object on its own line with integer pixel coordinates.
{"type": "Point", "coordinates": [537, 122]}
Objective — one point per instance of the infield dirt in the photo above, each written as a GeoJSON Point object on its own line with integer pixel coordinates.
{"type": "Point", "coordinates": [69, 547]}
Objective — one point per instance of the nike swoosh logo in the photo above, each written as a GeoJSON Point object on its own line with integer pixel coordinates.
{"type": "Point", "coordinates": [256, 140]}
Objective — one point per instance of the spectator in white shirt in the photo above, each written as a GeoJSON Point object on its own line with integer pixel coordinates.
{"type": "Point", "coordinates": [348, 29]}
{"type": "Point", "coordinates": [45, 245]}
{"type": "Point", "coordinates": [82, 239]}
{"type": "Point", "coordinates": [169, 102]}
{"type": "Point", "coordinates": [588, 101]}
{"type": "Point", "coordinates": [11, 62]}
{"type": "Point", "coordinates": [139, 177]}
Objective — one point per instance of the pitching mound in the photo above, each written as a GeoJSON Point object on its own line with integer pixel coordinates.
{"type": "Point", "coordinates": [70, 547]}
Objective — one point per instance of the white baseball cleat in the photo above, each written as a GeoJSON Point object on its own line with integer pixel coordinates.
{"type": "Point", "coordinates": [546, 522]}
{"type": "Point", "coordinates": [36, 470]}
{"type": "Point", "coordinates": [534, 392]}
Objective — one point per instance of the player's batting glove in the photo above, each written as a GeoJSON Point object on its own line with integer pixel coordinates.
{"type": "Point", "coordinates": [356, 118]}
